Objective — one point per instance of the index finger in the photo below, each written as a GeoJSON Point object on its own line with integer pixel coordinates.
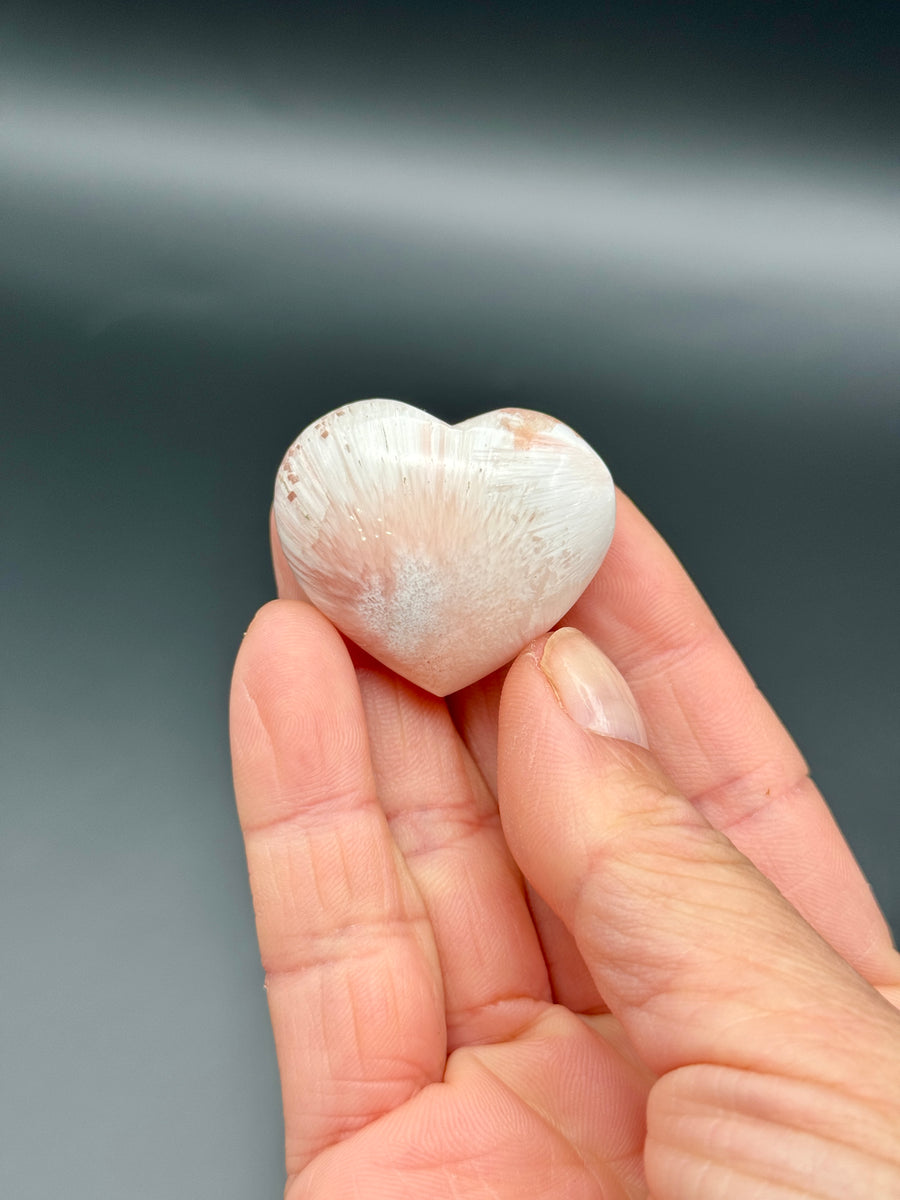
{"type": "Point", "coordinates": [718, 738]}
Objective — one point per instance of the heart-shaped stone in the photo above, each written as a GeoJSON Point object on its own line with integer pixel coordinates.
{"type": "Point", "coordinates": [441, 549]}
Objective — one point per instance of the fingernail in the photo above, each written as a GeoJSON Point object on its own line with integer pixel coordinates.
{"type": "Point", "coordinates": [590, 688]}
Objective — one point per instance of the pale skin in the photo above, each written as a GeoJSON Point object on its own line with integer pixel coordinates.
{"type": "Point", "coordinates": [508, 957]}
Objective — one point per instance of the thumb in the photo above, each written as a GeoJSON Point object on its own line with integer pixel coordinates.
{"type": "Point", "coordinates": [695, 952]}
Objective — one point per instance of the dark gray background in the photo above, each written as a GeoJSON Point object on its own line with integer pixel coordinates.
{"type": "Point", "coordinates": [675, 229]}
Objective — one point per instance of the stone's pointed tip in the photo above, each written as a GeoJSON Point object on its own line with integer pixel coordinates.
{"type": "Point", "coordinates": [442, 550]}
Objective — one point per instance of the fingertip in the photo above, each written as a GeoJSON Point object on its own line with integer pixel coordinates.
{"type": "Point", "coordinates": [561, 781]}
{"type": "Point", "coordinates": [261, 620]}
{"type": "Point", "coordinates": [278, 629]}
{"type": "Point", "coordinates": [560, 691]}
{"type": "Point", "coordinates": [664, 909]}
{"type": "Point", "coordinates": [590, 687]}
{"type": "Point", "coordinates": [295, 713]}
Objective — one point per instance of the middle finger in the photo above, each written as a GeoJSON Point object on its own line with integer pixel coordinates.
{"type": "Point", "coordinates": [444, 821]}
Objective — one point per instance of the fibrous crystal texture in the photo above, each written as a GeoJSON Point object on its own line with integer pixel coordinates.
{"type": "Point", "coordinates": [442, 549]}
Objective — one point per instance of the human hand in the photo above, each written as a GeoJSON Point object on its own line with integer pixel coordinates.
{"type": "Point", "coordinates": [692, 996]}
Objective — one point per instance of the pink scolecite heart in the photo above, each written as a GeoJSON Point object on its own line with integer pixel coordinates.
{"type": "Point", "coordinates": [441, 549]}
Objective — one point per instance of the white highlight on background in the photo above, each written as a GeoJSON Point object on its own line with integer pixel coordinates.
{"type": "Point", "coordinates": [692, 219]}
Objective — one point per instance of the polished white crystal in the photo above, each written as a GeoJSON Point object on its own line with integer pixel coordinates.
{"type": "Point", "coordinates": [442, 549]}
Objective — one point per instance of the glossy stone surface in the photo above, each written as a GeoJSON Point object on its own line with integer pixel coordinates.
{"type": "Point", "coordinates": [442, 550]}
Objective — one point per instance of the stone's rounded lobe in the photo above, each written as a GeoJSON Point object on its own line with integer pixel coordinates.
{"type": "Point", "coordinates": [441, 549]}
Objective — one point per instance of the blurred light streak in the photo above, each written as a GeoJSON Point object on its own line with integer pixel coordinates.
{"type": "Point", "coordinates": [695, 220]}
